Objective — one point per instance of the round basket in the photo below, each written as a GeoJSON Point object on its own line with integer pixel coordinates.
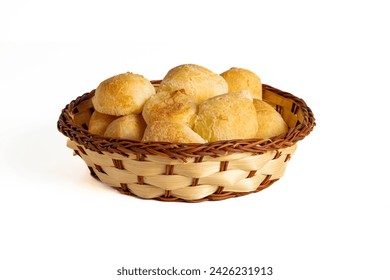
{"type": "Point", "coordinates": [182, 171]}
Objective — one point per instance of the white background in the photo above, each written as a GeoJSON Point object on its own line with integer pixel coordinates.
{"type": "Point", "coordinates": [327, 218]}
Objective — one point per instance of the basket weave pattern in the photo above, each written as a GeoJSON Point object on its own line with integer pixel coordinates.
{"type": "Point", "coordinates": [188, 172]}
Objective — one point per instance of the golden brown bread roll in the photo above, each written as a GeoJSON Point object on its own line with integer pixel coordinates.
{"type": "Point", "coordinates": [177, 106]}
{"type": "Point", "coordinates": [122, 94]}
{"type": "Point", "coordinates": [228, 116]}
{"type": "Point", "coordinates": [196, 80]}
{"type": "Point", "coordinates": [130, 127]}
{"type": "Point", "coordinates": [163, 131]}
{"type": "Point", "coordinates": [242, 79]}
{"type": "Point", "coordinates": [270, 121]}
{"type": "Point", "coordinates": [99, 122]}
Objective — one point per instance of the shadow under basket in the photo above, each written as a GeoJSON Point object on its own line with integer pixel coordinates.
{"type": "Point", "coordinates": [182, 171]}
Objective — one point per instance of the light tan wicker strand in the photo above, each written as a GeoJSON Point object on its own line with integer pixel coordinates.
{"type": "Point", "coordinates": [188, 172]}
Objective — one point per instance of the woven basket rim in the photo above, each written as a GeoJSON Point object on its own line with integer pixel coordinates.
{"type": "Point", "coordinates": [125, 147]}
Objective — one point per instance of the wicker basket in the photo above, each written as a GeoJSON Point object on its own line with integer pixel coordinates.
{"type": "Point", "coordinates": [187, 172]}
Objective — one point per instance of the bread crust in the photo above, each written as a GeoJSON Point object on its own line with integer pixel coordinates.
{"type": "Point", "coordinates": [122, 94]}
{"type": "Point", "coordinates": [177, 106]}
{"type": "Point", "coordinates": [270, 121]}
{"type": "Point", "coordinates": [129, 127]}
{"type": "Point", "coordinates": [98, 122]}
{"type": "Point", "coordinates": [228, 116]}
{"type": "Point", "coordinates": [197, 81]}
{"type": "Point", "coordinates": [243, 79]}
{"type": "Point", "coordinates": [163, 131]}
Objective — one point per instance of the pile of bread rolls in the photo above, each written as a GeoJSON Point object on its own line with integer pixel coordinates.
{"type": "Point", "coordinates": [192, 104]}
